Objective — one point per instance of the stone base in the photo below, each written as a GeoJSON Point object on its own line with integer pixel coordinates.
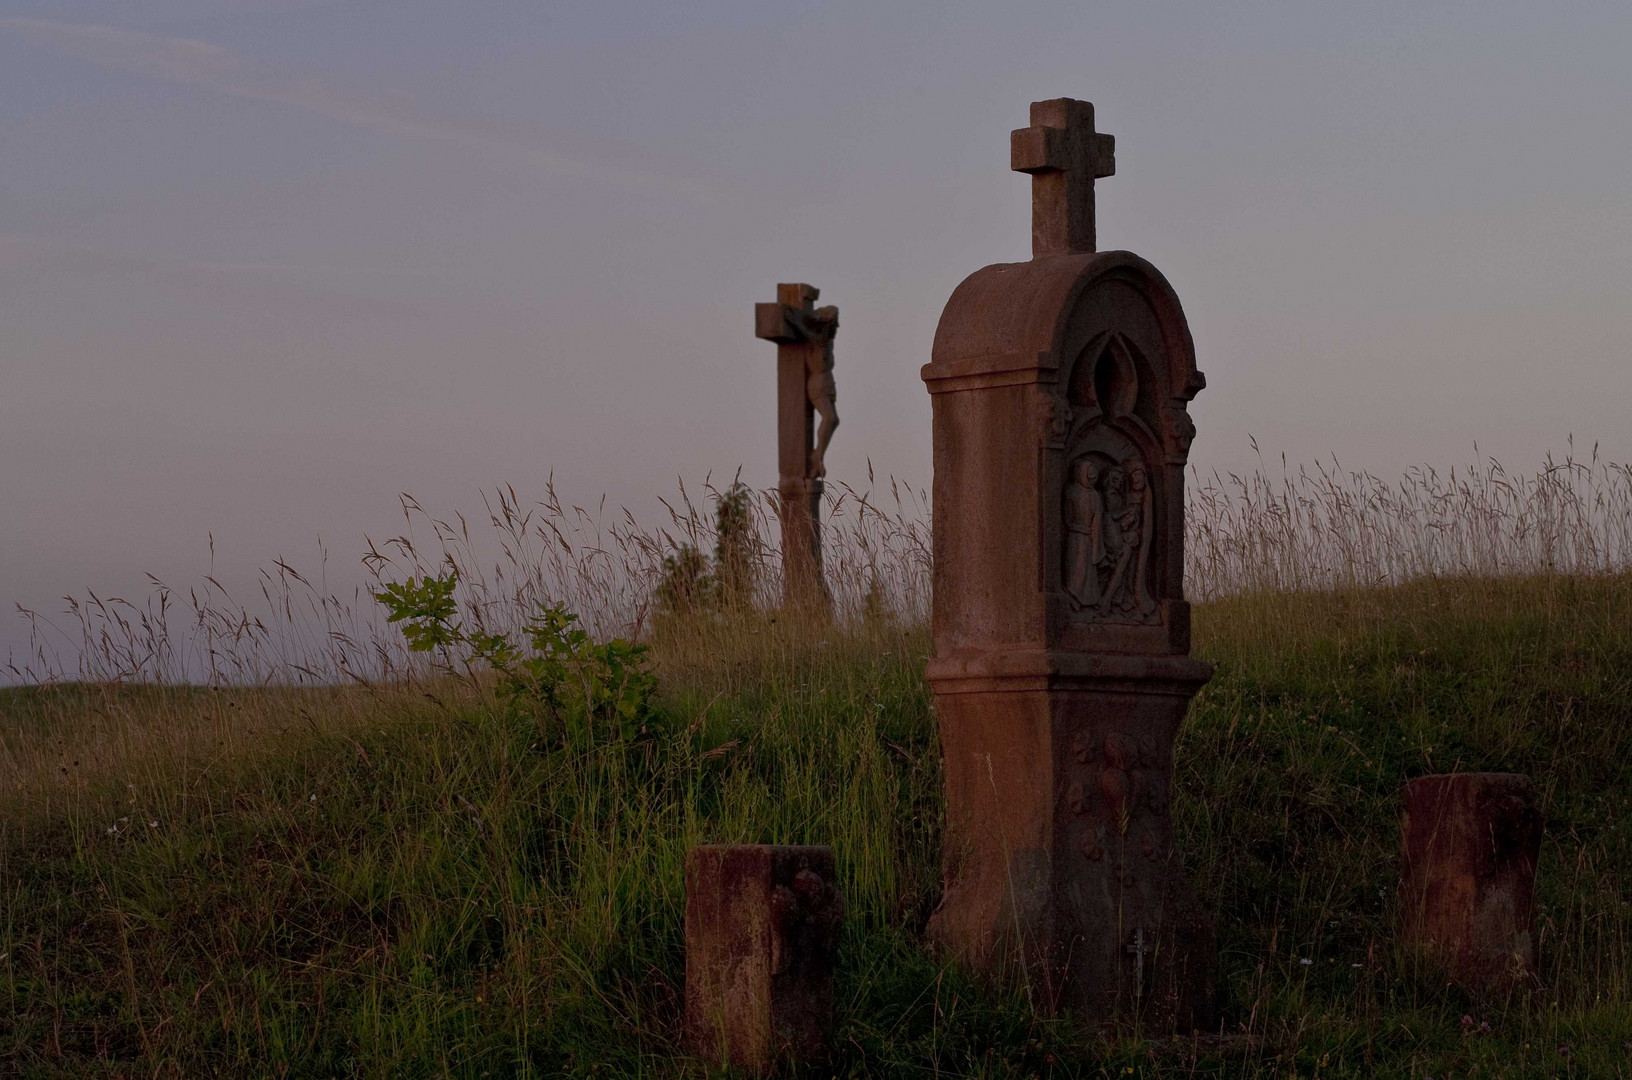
{"type": "Point", "coordinates": [762, 929]}
{"type": "Point", "coordinates": [1468, 849]}
{"type": "Point", "coordinates": [1059, 866]}
{"type": "Point", "coordinates": [799, 511]}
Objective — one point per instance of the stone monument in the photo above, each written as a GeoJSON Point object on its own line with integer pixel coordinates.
{"type": "Point", "coordinates": [1468, 849]}
{"type": "Point", "coordinates": [804, 336]}
{"type": "Point", "coordinates": [762, 932]}
{"type": "Point", "coordinates": [1062, 638]}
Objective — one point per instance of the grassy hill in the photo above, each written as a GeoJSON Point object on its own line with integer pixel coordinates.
{"type": "Point", "coordinates": [412, 880]}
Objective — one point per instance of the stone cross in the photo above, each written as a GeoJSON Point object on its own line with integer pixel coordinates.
{"type": "Point", "coordinates": [1061, 670]}
{"type": "Point", "coordinates": [1064, 155]}
{"type": "Point", "coordinates": [804, 390]}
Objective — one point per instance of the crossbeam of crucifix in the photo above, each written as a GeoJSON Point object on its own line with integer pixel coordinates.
{"type": "Point", "coordinates": [1064, 155]}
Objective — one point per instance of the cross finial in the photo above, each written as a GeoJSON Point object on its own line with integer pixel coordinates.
{"type": "Point", "coordinates": [1064, 155]}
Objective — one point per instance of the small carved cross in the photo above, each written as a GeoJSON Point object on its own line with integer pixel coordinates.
{"type": "Point", "coordinates": [1064, 155]}
{"type": "Point", "coordinates": [1138, 950]}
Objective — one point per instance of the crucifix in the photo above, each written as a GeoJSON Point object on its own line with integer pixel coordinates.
{"type": "Point", "coordinates": [805, 390]}
{"type": "Point", "coordinates": [1064, 155]}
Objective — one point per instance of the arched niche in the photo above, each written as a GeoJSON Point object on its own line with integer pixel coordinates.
{"type": "Point", "coordinates": [1111, 563]}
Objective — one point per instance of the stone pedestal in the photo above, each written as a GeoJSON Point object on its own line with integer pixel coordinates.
{"type": "Point", "coordinates": [762, 930]}
{"type": "Point", "coordinates": [1468, 849]}
{"type": "Point", "coordinates": [1059, 870]}
{"type": "Point", "coordinates": [1061, 669]}
{"type": "Point", "coordinates": [799, 513]}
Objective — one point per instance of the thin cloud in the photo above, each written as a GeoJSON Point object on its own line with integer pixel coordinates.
{"type": "Point", "coordinates": [200, 63]}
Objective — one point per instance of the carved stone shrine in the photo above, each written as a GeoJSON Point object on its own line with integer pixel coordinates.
{"type": "Point", "coordinates": [805, 390]}
{"type": "Point", "coordinates": [1062, 637]}
{"type": "Point", "coordinates": [762, 929]}
{"type": "Point", "coordinates": [1468, 849]}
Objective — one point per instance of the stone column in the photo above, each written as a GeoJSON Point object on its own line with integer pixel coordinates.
{"type": "Point", "coordinates": [1061, 670]}
{"type": "Point", "coordinates": [762, 930]}
{"type": "Point", "coordinates": [1468, 849]}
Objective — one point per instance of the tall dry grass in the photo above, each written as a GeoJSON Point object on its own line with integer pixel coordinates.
{"type": "Point", "coordinates": [605, 566]}
{"type": "Point", "coordinates": [1313, 528]}
{"type": "Point", "coordinates": [297, 640]}
{"type": "Point", "coordinates": [1320, 527]}
{"type": "Point", "coordinates": [1277, 538]}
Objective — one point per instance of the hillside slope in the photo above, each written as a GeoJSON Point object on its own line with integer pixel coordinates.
{"type": "Point", "coordinates": [411, 881]}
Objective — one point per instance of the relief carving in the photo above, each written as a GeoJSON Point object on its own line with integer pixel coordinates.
{"type": "Point", "coordinates": [1181, 430]}
{"type": "Point", "coordinates": [1057, 411]}
{"type": "Point", "coordinates": [805, 918]}
{"type": "Point", "coordinates": [1121, 800]}
{"type": "Point", "coordinates": [1108, 505]}
{"type": "Point", "coordinates": [820, 390]}
{"type": "Point", "coordinates": [1109, 527]}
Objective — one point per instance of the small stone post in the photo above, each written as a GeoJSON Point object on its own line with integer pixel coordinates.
{"type": "Point", "coordinates": [762, 929]}
{"type": "Point", "coordinates": [1468, 849]}
{"type": "Point", "coordinates": [804, 389]}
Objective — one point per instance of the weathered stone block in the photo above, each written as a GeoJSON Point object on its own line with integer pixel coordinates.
{"type": "Point", "coordinates": [762, 929]}
{"type": "Point", "coordinates": [1468, 849]}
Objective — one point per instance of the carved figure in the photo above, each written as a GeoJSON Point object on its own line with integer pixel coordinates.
{"type": "Point", "coordinates": [822, 325]}
{"type": "Point", "coordinates": [1127, 498]}
{"type": "Point", "coordinates": [1084, 533]}
{"type": "Point", "coordinates": [1109, 531]}
{"type": "Point", "coordinates": [1134, 524]}
{"type": "Point", "coordinates": [806, 918]}
{"type": "Point", "coordinates": [1116, 541]}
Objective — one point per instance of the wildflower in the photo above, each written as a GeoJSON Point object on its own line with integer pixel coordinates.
{"type": "Point", "coordinates": [1305, 961]}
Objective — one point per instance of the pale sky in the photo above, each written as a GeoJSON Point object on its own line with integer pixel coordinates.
{"type": "Point", "coordinates": [264, 265]}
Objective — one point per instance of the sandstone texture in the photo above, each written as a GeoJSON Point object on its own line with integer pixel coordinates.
{"type": "Point", "coordinates": [762, 929]}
